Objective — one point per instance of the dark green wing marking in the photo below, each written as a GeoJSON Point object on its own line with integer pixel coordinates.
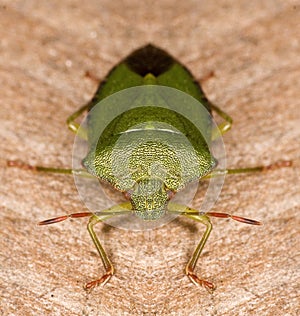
{"type": "Point", "coordinates": [149, 59]}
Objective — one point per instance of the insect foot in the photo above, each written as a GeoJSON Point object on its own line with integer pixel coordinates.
{"type": "Point", "coordinates": [102, 281]}
{"type": "Point", "coordinates": [209, 286]}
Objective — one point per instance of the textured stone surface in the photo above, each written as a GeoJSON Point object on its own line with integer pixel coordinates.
{"type": "Point", "coordinates": [46, 50]}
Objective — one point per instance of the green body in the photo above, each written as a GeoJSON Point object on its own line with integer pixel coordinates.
{"type": "Point", "coordinates": [152, 173]}
{"type": "Point", "coordinates": [149, 152]}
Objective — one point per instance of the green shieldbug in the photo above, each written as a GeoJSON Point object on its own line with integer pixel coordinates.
{"type": "Point", "coordinates": [149, 191]}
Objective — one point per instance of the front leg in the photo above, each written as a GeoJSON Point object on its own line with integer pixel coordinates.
{"type": "Point", "coordinates": [203, 217]}
{"type": "Point", "coordinates": [190, 267]}
{"type": "Point", "coordinates": [95, 218]}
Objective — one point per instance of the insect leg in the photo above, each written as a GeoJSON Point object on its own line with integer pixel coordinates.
{"type": "Point", "coordinates": [273, 166]}
{"type": "Point", "coordinates": [189, 270]}
{"type": "Point", "coordinates": [95, 218]}
{"type": "Point", "coordinates": [25, 166]}
{"type": "Point", "coordinates": [74, 126]}
{"type": "Point", "coordinates": [224, 126]}
{"type": "Point", "coordinates": [204, 219]}
{"type": "Point", "coordinates": [126, 207]}
{"type": "Point", "coordinates": [105, 260]}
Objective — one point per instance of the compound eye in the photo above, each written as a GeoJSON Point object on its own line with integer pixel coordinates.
{"type": "Point", "coordinates": [170, 194]}
{"type": "Point", "coordinates": [128, 194]}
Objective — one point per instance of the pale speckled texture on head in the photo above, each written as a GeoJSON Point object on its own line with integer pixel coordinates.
{"type": "Point", "coordinates": [53, 53]}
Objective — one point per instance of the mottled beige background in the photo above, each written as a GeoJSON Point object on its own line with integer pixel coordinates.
{"type": "Point", "coordinates": [46, 50]}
